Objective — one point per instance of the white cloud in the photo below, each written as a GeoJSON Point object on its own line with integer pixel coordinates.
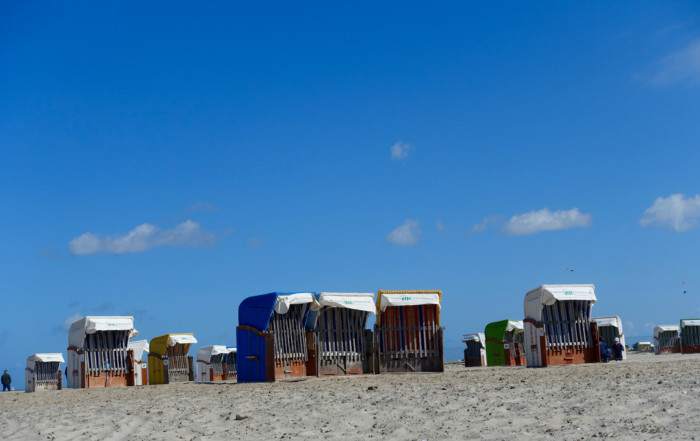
{"type": "Point", "coordinates": [105, 306]}
{"type": "Point", "coordinates": [65, 326]}
{"type": "Point", "coordinates": [649, 325]}
{"type": "Point", "coordinates": [256, 242]}
{"type": "Point", "coordinates": [406, 234]}
{"type": "Point", "coordinates": [50, 253]}
{"type": "Point", "coordinates": [481, 227]}
{"type": "Point", "coordinates": [629, 325]}
{"type": "Point", "coordinates": [440, 227]}
{"type": "Point", "coordinates": [400, 151]}
{"type": "Point", "coordinates": [135, 312]}
{"type": "Point", "coordinates": [545, 220]}
{"type": "Point", "coordinates": [70, 320]}
{"type": "Point", "coordinates": [682, 66]}
{"type": "Point", "coordinates": [202, 206]}
{"type": "Point", "coordinates": [677, 212]}
{"type": "Point", "coordinates": [141, 238]}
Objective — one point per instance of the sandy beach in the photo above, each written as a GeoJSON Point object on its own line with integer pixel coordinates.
{"type": "Point", "coordinates": [647, 397]}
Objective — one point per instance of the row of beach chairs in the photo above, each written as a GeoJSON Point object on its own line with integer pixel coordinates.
{"type": "Point", "coordinates": [673, 339]}
{"type": "Point", "coordinates": [558, 330]}
{"type": "Point", "coordinates": [294, 334]}
{"type": "Point", "coordinates": [101, 353]}
{"type": "Point", "coordinates": [280, 335]}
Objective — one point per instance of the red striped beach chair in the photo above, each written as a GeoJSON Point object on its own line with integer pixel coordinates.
{"type": "Point", "coordinates": [408, 335]}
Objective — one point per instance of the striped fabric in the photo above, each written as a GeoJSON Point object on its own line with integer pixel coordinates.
{"type": "Point", "coordinates": [691, 335]}
{"type": "Point", "coordinates": [106, 351]}
{"type": "Point", "coordinates": [474, 348]}
{"type": "Point", "coordinates": [178, 364]}
{"type": "Point", "coordinates": [668, 339]}
{"type": "Point", "coordinates": [567, 323]}
{"type": "Point", "coordinates": [409, 330]}
{"type": "Point", "coordinates": [341, 333]}
{"type": "Point", "coordinates": [289, 333]}
{"type": "Point", "coordinates": [608, 334]}
{"type": "Point", "coordinates": [514, 339]}
{"type": "Point", "coordinates": [47, 373]}
{"type": "Point", "coordinates": [231, 365]}
{"type": "Point", "coordinates": [217, 363]}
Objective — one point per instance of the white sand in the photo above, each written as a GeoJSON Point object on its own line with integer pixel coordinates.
{"type": "Point", "coordinates": [647, 397]}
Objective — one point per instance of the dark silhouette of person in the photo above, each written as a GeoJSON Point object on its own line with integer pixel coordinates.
{"type": "Point", "coordinates": [6, 380]}
{"type": "Point", "coordinates": [604, 351]}
{"type": "Point", "coordinates": [617, 349]}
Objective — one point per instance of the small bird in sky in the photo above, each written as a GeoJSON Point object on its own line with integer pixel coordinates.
{"type": "Point", "coordinates": [570, 269]}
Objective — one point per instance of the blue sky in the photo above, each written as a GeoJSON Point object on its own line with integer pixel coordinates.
{"type": "Point", "coordinates": [167, 160]}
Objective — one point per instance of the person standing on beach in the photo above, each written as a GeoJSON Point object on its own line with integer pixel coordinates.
{"type": "Point", "coordinates": [6, 380]}
{"type": "Point", "coordinates": [604, 351]}
{"type": "Point", "coordinates": [617, 349]}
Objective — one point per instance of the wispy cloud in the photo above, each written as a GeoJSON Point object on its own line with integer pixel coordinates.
{"type": "Point", "coordinates": [50, 253]}
{"type": "Point", "coordinates": [675, 27]}
{"type": "Point", "coordinates": [649, 325]}
{"type": "Point", "coordinates": [441, 227]}
{"type": "Point", "coordinates": [65, 326]}
{"type": "Point", "coordinates": [190, 211]}
{"type": "Point", "coordinates": [201, 206]}
{"type": "Point", "coordinates": [138, 314]}
{"type": "Point", "coordinates": [400, 151]}
{"type": "Point", "coordinates": [135, 312]}
{"type": "Point", "coordinates": [629, 325]}
{"type": "Point", "coordinates": [406, 234]}
{"type": "Point", "coordinates": [256, 242]}
{"type": "Point", "coordinates": [545, 220]}
{"type": "Point", "coordinates": [105, 307]}
{"type": "Point", "coordinates": [483, 225]}
{"type": "Point", "coordinates": [143, 237]}
{"type": "Point", "coordinates": [682, 66]}
{"type": "Point", "coordinates": [480, 227]}
{"type": "Point", "coordinates": [676, 212]}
